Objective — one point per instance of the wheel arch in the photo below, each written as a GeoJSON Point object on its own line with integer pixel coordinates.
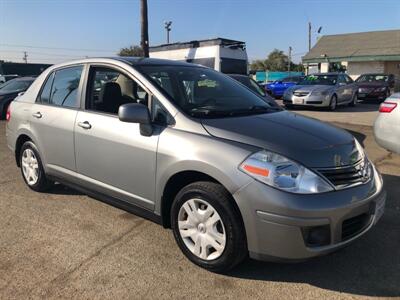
{"type": "Point", "coordinates": [22, 139]}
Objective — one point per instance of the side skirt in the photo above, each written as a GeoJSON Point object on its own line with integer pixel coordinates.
{"type": "Point", "coordinates": [137, 210]}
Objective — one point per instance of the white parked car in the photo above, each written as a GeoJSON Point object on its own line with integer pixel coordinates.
{"type": "Point", "coordinates": [387, 125]}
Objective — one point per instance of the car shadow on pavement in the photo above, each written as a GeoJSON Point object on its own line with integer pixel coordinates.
{"type": "Point", "coordinates": [60, 189]}
{"type": "Point", "coordinates": [368, 267]}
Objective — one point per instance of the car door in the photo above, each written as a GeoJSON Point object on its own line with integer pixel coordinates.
{"type": "Point", "coordinates": [52, 118]}
{"type": "Point", "coordinates": [112, 157]}
{"type": "Point", "coordinates": [341, 89]}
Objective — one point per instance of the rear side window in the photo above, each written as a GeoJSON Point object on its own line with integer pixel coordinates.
{"type": "Point", "coordinates": [45, 95]}
{"type": "Point", "coordinates": [61, 88]}
{"type": "Point", "coordinates": [64, 91]}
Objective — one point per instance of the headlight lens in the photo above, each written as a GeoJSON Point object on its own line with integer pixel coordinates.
{"type": "Point", "coordinates": [381, 89]}
{"type": "Point", "coordinates": [282, 173]}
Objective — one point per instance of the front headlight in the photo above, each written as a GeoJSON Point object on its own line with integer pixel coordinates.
{"type": "Point", "coordinates": [381, 89]}
{"type": "Point", "coordinates": [282, 173]}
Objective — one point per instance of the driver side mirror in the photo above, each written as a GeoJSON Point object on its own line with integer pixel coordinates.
{"type": "Point", "coordinates": [136, 113]}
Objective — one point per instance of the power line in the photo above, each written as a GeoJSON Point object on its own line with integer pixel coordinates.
{"type": "Point", "coordinates": [54, 48]}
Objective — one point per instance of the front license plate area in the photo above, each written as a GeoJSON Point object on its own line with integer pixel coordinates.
{"type": "Point", "coordinates": [298, 101]}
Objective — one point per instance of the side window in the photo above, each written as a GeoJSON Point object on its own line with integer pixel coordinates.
{"type": "Point", "coordinates": [45, 94]}
{"type": "Point", "coordinates": [159, 114]}
{"type": "Point", "coordinates": [108, 89]}
{"type": "Point", "coordinates": [64, 91]}
{"type": "Point", "coordinates": [341, 79]}
{"type": "Point", "coordinates": [348, 79]}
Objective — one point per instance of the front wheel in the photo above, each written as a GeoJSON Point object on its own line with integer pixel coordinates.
{"type": "Point", "coordinates": [32, 168]}
{"type": "Point", "coordinates": [333, 103]}
{"type": "Point", "coordinates": [207, 227]}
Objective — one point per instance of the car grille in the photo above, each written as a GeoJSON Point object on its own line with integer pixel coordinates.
{"type": "Point", "coordinates": [354, 225]}
{"type": "Point", "coordinates": [365, 90]}
{"type": "Point", "coordinates": [300, 94]}
{"type": "Point", "coordinates": [346, 176]}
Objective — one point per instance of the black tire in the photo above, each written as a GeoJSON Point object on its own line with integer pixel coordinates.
{"type": "Point", "coordinates": [333, 103]}
{"type": "Point", "coordinates": [219, 198]}
{"type": "Point", "coordinates": [43, 183]}
{"type": "Point", "coordinates": [353, 100]}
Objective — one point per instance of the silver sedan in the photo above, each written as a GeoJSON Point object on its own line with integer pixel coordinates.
{"type": "Point", "coordinates": [322, 90]}
{"type": "Point", "coordinates": [387, 124]}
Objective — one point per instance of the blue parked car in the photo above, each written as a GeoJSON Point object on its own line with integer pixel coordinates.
{"type": "Point", "coordinates": [278, 87]}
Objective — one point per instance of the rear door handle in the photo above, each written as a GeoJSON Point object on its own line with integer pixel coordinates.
{"type": "Point", "coordinates": [37, 115]}
{"type": "Point", "coordinates": [85, 125]}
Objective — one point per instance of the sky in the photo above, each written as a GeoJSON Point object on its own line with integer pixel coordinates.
{"type": "Point", "coordinates": [52, 31]}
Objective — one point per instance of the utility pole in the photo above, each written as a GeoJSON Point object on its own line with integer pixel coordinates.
{"type": "Point", "coordinates": [309, 36]}
{"type": "Point", "coordinates": [168, 28]}
{"type": "Point", "coordinates": [144, 42]}
{"type": "Point", "coordinates": [289, 59]}
{"type": "Point", "coordinates": [25, 58]}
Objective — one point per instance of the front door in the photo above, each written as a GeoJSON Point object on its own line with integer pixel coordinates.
{"type": "Point", "coordinates": [112, 156]}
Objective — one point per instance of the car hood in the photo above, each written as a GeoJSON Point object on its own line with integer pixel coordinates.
{"type": "Point", "coordinates": [312, 143]}
{"type": "Point", "coordinates": [371, 84]}
{"type": "Point", "coordinates": [311, 88]}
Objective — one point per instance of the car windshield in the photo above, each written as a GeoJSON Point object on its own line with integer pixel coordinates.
{"type": "Point", "coordinates": [205, 93]}
{"type": "Point", "coordinates": [16, 85]}
{"type": "Point", "coordinates": [319, 80]}
{"type": "Point", "coordinates": [373, 78]}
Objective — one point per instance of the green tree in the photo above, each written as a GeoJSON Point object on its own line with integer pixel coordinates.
{"type": "Point", "coordinates": [277, 60]}
{"type": "Point", "coordinates": [131, 51]}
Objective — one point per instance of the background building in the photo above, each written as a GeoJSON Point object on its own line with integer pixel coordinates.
{"type": "Point", "coordinates": [356, 53]}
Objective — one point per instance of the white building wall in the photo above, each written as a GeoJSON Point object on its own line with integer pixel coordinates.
{"type": "Point", "coordinates": [324, 67]}
{"type": "Point", "coordinates": [355, 69]}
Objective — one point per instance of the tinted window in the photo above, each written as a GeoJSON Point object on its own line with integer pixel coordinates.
{"type": "Point", "coordinates": [64, 91]}
{"type": "Point", "coordinates": [373, 78]}
{"type": "Point", "coordinates": [45, 95]}
{"type": "Point", "coordinates": [109, 88]}
{"type": "Point", "coordinates": [17, 86]}
{"type": "Point", "coordinates": [319, 79]}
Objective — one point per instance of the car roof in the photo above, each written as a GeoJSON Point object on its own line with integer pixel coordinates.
{"type": "Point", "coordinates": [328, 73]}
{"type": "Point", "coordinates": [142, 61]}
{"type": "Point", "coordinates": [238, 75]}
{"type": "Point", "coordinates": [376, 74]}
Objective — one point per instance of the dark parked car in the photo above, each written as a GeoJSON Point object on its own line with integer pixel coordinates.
{"type": "Point", "coordinates": [10, 90]}
{"type": "Point", "coordinates": [278, 87]}
{"type": "Point", "coordinates": [375, 86]}
{"type": "Point", "coordinates": [255, 87]}
{"type": "Point", "coordinates": [5, 78]}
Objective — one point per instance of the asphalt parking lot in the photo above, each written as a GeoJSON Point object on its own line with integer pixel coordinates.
{"type": "Point", "coordinates": [64, 244]}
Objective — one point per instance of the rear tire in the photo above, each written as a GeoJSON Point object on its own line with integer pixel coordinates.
{"type": "Point", "coordinates": [353, 100]}
{"type": "Point", "coordinates": [207, 227]}
{"type": "Point", "coordinates": [32, 169]}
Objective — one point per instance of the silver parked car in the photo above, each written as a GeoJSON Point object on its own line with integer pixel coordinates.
{"type": "Point", "coordinates": [322, 90]}
{"type": "Point", "coordinates": [387, 124]}
{"type": "Point", "coordinates": [194, 150]}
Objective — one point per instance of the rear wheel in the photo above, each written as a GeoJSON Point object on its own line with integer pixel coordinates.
{"type": "Point", "coordinates": [207, 227]}
{"type": "Point", "coordinates": [32, 168]}
{"type": "Point", "coordinates": [333, 103]}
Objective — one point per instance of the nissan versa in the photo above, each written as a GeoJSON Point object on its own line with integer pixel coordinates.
{"type": "Point", "coordinates": [194, 150]}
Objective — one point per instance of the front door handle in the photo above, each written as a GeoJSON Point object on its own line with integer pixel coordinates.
{"type": "Point", "coordinates": [37, 115]}
{"type": "Point", "coordinates": [85, 125]}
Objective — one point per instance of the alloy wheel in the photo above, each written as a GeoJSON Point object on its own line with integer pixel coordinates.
{"type": "Point", "coordinates": [201, 229]}
{"type": "Point", "coordinates": [30, 167]}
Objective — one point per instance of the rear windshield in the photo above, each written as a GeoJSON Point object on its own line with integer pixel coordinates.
{"type": "Point", "coordinates": [16, 85]}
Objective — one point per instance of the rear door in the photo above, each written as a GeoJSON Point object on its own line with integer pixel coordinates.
{"type": "Point", "coordinates": [341, 89]}
{"type": "Point", "coordinates": [112, 157]}
{"type": "Point", "coordinates": [52, 118]}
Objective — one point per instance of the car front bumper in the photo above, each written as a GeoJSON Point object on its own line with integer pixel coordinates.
{"type": "Point", "coordinates": [279, 224]}
{"type": "Point", "coordinates": [374, 95]}
{"type": "Point", "coordinates": [308, 100]}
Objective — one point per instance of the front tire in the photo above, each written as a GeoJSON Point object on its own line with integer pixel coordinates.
{"type": "Point", "coordinates": [333, 103]}
{"type": "Point", "coordinates": [32, 168]}
{"type": "Point", "coordinates": [207, 227]}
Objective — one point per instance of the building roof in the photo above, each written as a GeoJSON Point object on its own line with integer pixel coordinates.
{"type": "Point", "coordinates": [198, 43]}
{"type": "Point", "coordinates": [362, 46]}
